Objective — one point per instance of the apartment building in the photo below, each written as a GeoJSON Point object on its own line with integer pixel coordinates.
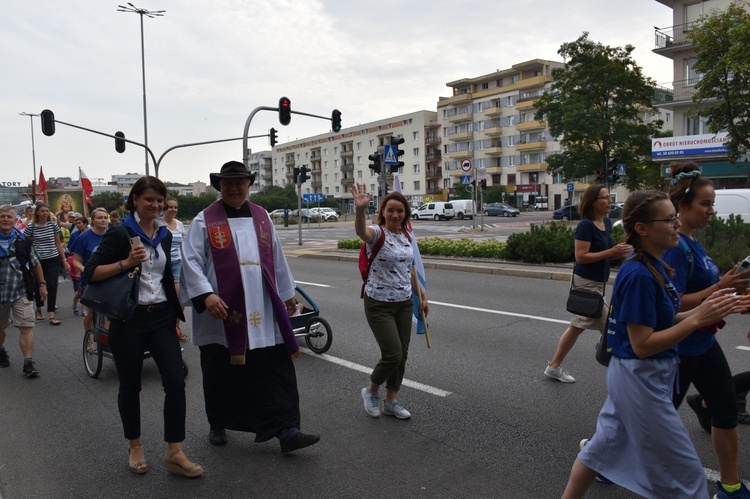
{"type": "Point", "coordinates": [336, 160]}
{"type": "Point", "coordinates": [692, 141]}
{"type": "Point", "coordinates": [262, 164]}
{"type": "Point", "coordinates": [489, 121]}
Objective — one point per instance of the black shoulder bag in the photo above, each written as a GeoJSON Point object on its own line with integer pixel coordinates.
{"type": "Point", "coordinates": [585, 303]}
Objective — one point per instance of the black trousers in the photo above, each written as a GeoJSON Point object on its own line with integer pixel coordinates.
{"type": "Point", "coordinates": [260, 396]}
{"type": "Point", "coordinates": [153, 330]}
{"type": "Point", "coordinates": [51, 271]}
{"type": "Point", "coordinates": [711, 376]}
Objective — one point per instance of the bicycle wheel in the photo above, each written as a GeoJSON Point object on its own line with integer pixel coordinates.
{"type": "Point", "coordinates": [92, 354]}
{"type": "Point", "coordinates": [318, 335]}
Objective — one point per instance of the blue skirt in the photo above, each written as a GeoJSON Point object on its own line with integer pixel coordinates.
{"type": "Point", "coordinates": [640, 442]}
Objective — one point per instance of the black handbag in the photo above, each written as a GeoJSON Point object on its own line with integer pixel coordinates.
{"type": "Point", "coordinates": [603, 353]}
{"type": "Point", "coordinates": [585, 303]}
{"type": "Point", "coordinates": [116, 297]}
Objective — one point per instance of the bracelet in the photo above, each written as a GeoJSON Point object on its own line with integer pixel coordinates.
{"type": "Point", "coordinates": [717, 286]}
{"type": "Point", "coordinates": [42, 282]}
{"type": "Point", "coordinates": [119, 265]}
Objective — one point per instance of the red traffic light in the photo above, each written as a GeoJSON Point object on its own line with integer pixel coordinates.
{"type": "Point", "coordinates": [285, 111]}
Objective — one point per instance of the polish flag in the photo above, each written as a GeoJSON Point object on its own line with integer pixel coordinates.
{"type": "Point", "coordinates": [86, 185]}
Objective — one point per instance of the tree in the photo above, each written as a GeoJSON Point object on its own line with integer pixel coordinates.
{"type": "Point", "coordinates": [107, 200]}
{"type": "Point", "coordinates": [596, 108]}
{"type": "Point", "coordinates": [721, 41]}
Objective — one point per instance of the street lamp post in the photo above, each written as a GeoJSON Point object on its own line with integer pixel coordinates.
{"type": "Point", "coordinates": [142, 12]}
{"type": "Point", "coordinates": [33, 154]}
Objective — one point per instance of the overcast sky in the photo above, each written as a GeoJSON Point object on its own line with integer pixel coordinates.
{"type": "Point", "coordinates": [209, 63]}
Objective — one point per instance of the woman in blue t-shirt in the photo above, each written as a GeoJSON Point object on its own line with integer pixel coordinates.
{"type": "Point", "coordinates": [702, 361]}
{"type": "Point", "coordinates": [82, 249]}
{"type": "Point", "coordinates": [594, 248]}
{"type": "Point", "coordinates": [640, 442]}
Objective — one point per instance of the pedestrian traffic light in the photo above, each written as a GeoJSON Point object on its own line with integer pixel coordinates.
{"type": "Point", "coordinates": [48, 123]}
{"type": "Point", "coordinates": [272, 134]}
{"type": "Point", "coordinates": [483, 184]}
{"type": "Point", "coordinates": [336, 120]}
{"type": "Point", "coordinates": [296, 175]}
{"type": "Point", "coordinates": [375, 162]}
{"type": "Point", "coordinates": [303, 175]}
{"type": "Point", "coordinates": [119, 142]}
{"type": "Point", "coordinates": [395, 142]}
{"type": "Point", "coordinates": [285, 111]}
{"type": "Point", "coordinates": [612, 175]}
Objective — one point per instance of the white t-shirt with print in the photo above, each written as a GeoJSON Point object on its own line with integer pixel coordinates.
{"type": "Point", "coordinates": [390, 274]}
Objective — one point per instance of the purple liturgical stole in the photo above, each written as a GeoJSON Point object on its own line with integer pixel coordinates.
{"type": "Point", "coordinates": [227, 268]}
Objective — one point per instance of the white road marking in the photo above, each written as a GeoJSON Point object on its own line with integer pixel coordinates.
{"type": "Point", "coordinates": [740, 347]}
{"type": "Point", "coordinates": [500, 312]}
{"type": "Point", "coordinates": [313, 284]}
{"type": "Point", "coordinates": [367, 370]}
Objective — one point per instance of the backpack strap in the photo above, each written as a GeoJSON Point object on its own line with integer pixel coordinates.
{"type": "Point", "coordinates": [373, 253]}
{"type": "Point", "coordinates": [689, 255]}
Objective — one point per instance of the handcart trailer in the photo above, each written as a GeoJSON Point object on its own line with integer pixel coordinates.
{"type": "Point", "coordinates": [96, 347]}
{"type": "Point", "coordinates": [308, 323]}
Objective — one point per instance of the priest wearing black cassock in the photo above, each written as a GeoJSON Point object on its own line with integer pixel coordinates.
{"type": "Point", "coordinates": [237, 279]}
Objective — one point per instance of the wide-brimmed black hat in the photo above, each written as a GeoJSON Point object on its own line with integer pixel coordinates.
{"type": "Point", "coordinates": [232, 169]}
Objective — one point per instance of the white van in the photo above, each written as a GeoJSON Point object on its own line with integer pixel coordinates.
{"type": "Point", "coordinates": [436, 211]}
{"type": "Point", "coordinates": [733, 201]}
{"type": "Point", "coordinates": [464, 208]}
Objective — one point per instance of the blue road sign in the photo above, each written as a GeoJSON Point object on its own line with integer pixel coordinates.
{"type": "Point", "coordinates": [312, 198]}
{"type": "Point", "coordinates": [621, 170]}
{"type": "Point", "coordinates": [389, 155]}
{"type": "Point", "coordinates": [571, 187]}
{"type": "Point", "coordinates": [466, 179]}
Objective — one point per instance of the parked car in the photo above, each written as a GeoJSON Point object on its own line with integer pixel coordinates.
{"type": "Point", "coordinates": [566, 213]}
{"type": "Point", "coordinates": [278, 213]}
{"type": "Point", "coordinates": [325, 213]}
{"type": "Point", "coordinates": [500, 209]}
{"type": "Point", "coordinates": [436, 211]}
{"type": "Point", "coordinates": [615, 210]}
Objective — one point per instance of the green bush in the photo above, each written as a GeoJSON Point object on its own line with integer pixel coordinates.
{"type": "Point", "coordinates": [551, 243]}
{"type": "Point", "coordinates": [726, 242]}
{"type": "Point", "coordinates": [490, 248]}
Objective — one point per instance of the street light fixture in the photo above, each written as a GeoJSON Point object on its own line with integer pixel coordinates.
{"type": "Point", "coordinates": [33, 154]}
{"type": "Point", "coordinates": [148, 13]}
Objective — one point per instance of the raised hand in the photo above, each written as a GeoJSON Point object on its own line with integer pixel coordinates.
{"type": "Point", "coordinates": [360, 196]}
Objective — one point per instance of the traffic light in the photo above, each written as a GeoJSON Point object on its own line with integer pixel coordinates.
{"type": "Point", "coordinates": [296, 175]}
{"type": "Point", "coordinates": [336, 120]}
{"type": "Point", "coordinates": [120, 142]}
{"type": "Point", "coordinates": [612, 175]}
{"type": "Point", "coordinates": [483, 184]}
{"type": "Point", "coordinates": [48, 123]}
{"type": "Point", "coordinates": [272, 135]}
{"type": "Point", "coordinates": [375, 162]}
{"type": "Point", "coordinates": [303, 175]}
{"type": "Point", "coordinates": [395, 142]}
{"type": "Point", "coordinates": [599, 176]}
{"type": "Point", "coordinates": [285, 111]}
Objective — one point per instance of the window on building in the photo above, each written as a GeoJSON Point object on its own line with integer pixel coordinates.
{"type": "Point", "coordinates": [415, 152]}
{"type": "Point", "coordinates": [415, 136]}
{"type": "Point", "coordinates": [327, 190]}
{"type": "Point", "coordinates": [667, 117]}
{"type": "Point", "coordinates": [485, 86]}
{"type": "Point", "coordinates": [695, 11]}
{"type": "Point", "coordinates": [325, 164]}
{"type": "Point", "coordinates": [511, 179]}
{"type": "Point", "coordinates": [325, 177]}
{"type": "Point", "coordinates": [337, 190]}
{"type": "Point", "coordinates": [359, 173]}
{"type": "Point", "coordinates": [335, 176]}
{"type": "Point", "coordinates": [335, 163]}
{"type": "Point", "coordinates": [335, 149]}
{"type": "Point", "coordinates": [511, 140]}
{"type": "Point", "coordinates": [359, 146]}
{"type": "Point", "coordinates": [416, 168]}
{"type": "Point", "coordinates": [417, 186]}
{"type": "Point", "coordinates": [325, 152]}
{"type": "Point", "coordinates": [691, 75]}
{"type": "Point", "coordinates": [372, 143]}
{"type": "Point", "coordinates": [511, 121]}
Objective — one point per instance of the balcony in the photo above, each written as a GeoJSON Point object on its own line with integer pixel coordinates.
{"type": "Point", "coordinates": [316, 184]}
{"type": "Point", "coordinates": [673, 37]}
{"type": "Point", "coordinates": [529, 146]}
{"type": "Point", "coordinates": [684, 89]}
{"type": "Point", "coordinates": [347, 167]}
{"type": "Point", "coordinates": [494, 131]}
{"type": "Point", "coordinates": [316, 170]}
{"type": "Point", "coordinates": [535, 167]}
{"type": "Point", "coordinates": [494, 151]}
{"type": "Point", "coordinates": [493, 112]}
{"type": "Point", "coordinates": [531, 82]}
{"type": "Point", "coordinates": [347, 154]}
{"type": "Point", "coordinates": [433, 157]}
{"type": "Point", "coordinates": [526, 104]}
{"type": "Point", "coordinates": [289, 160]}
{"type": "Point", "coordinates": [432, 140]}
{"type": "Point", "coordinates": [434, 173]}
{"type": "Point", "coordinates": [434, 190]}
{"type": "Point", "coordinates": [460, 118]}
{"type": "Point", "coordinates": [458, 98]}
{"type": "Point", "coordinates": [494, 169]}
{"type": "Point", "coordinates": [347, 182]}
{"type": "Point", "coordinates": [289, 175]}
{"type": "Point", "coordinates": [460, 154]}
{"type": "Point", "coordinates": [460, 136]}
{"type": "Point", "coordinates": [531, 125]}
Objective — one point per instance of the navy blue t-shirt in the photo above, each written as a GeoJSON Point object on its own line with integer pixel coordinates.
{"type": "Point", "coordinates": [705, 273]}
{"type": "Point", "coordinates": [639, 298]}
{"type": "Point", "coordinates": [601, 240]}
{"type": "Point", "coordinates": [85, 246]}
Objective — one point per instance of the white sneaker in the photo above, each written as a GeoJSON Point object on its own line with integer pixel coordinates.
{"type": "Point", "coordinates": [372, 402]}
{"type": "Point", "coordinates": [396, 409]}
{"type": "Point", "coordinates": [559, 374]}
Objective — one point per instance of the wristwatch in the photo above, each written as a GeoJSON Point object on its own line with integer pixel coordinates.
{"type": "Point", "coordinates": [42, 282]}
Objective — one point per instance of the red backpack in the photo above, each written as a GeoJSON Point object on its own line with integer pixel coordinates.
{"type": "Point", "coordinates": [365, 264]}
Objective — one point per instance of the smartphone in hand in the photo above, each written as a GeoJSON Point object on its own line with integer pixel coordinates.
{"type": "Point", "coordinates": [743, 266]}
{"type": "Point", "coordinates": [135, 241]}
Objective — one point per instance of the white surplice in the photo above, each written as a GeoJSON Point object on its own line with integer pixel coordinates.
{"type": "Point", "coordinates": [198, 277]}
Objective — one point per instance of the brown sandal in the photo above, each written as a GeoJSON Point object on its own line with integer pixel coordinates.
{"type": "Point", "coordinates": [193, 470]}
{"type": "Point", "coordinates": [141, 466]}
{"type": "Point", "coordinates": [54, 322]}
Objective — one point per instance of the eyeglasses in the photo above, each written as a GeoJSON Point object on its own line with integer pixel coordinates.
{"type": "Point", "coordinates": [672, 221]}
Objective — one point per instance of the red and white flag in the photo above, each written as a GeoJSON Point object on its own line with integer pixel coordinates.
{"type": "Point", "coordinates": [86, 185]}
